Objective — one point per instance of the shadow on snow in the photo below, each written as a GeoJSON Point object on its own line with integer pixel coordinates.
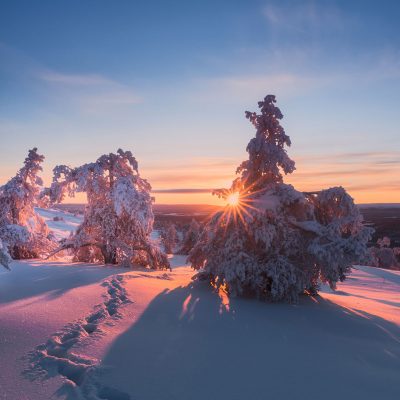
{"type": "Point", "coordinates": [34, 277]}
{"type": "Point", "coordinates": [191, 343]}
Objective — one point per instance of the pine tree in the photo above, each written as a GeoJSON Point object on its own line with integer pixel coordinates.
{"type": "Point", "coordinates": [169, 238]}
{"type": "Point", "coordinates": [383, 256]}
{"type": "Point", "coordinates": [118, 218]}
{"type": "Point", "coordinates": [272, 241]}
{"type": "Point", "coordinates": [267, 154]}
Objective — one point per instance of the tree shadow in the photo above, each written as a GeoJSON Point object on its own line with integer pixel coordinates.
{"type": "Point", "coordinates": [33, 278]}
{"type": "Point", "coordinates": [385, 274]}
{"type": "Point", "coordinates": [386, 302]}
{"type": "Point", "coordinates": [193, 343]}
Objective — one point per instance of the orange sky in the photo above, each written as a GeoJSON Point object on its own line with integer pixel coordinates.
{"type": "Point", "coordinates": [370, 177]}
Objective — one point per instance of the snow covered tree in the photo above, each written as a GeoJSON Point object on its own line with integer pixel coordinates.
{"type": "Point", "coordinates": [118, 218]}
{"type": "Point", "coordinates": [5, 258]}
{"type": "Point", "coordinates": [383, 256]}
{"type": "Point", "coordinates": [169, 238]}
{"type": "Point", "coordinates": [190, 238]}
{"type": "Point", "coordinates": [272, 241]}
{"type": "Point", "coordinates": [267, 154]}
{"type": "Point", "coordinates": [383, 242]}
{"type": "Point", "coordinates": [23, 233]}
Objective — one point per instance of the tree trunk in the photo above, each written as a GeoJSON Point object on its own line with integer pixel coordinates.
{"type": "Point", "coordinates": [15, 215]}
{"type": "Point", "coordinates": [110, 256]}
{"type": "Point", "coordinates": [15, 252]}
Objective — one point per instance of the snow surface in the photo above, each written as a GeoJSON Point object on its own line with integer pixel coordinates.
{"type": "Point", "coordinates": [66, 224]}
{"type": "Point", "coordinates": [78, 331]}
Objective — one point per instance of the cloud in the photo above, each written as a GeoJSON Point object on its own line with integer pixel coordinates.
{"type": "Point", "coordinates": [78, 80]}
{"type": "Point", "coordinates": [88, 93]}
{"type": "Point", "coordinates": [379, 187]}
{"type": "Point", "coordinates": [282, 80]}
{"type": "Point", "coordinates": [201, 178]}
{"type": "Point", "coordinates": [371, 157]}
{"type": "Point", "coordinates": [340, 173]}
{"type": "Point", "coordinates": [356, 171]}
{"type": "Point", "coordinates": [368, 176]}
{"type": "Point", "coordinates": [182, 191]}
{"type": "Point", "coordinates": [91, 92]}
{"type": "Point", "coordinates": [251, 86]}
{"type": "Point", "coordinates": [245, 88]}
{"type": "Point", "coordinates": [194, 163]}
{"type": "Point", "coordinates": [203, 172]}
{"type": "Point", "coordinates": [304, 16]}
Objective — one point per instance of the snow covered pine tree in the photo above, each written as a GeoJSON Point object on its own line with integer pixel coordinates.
{"type": "Point", "coordinates": [23, 233]}
{"type": "Point", "coordinates": [118, 218]}
{"type": "Point", "coordinates": [169, 238]}
{"type": "Point", "coordinates": [383, 256]}
{"type": "Point", "coordinates": [272, 241]}
{"type": "Point", "coordinates": [190, 238]}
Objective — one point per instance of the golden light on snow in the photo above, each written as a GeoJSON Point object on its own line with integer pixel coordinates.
{"type": "Point", "coordinates": [233, 199]}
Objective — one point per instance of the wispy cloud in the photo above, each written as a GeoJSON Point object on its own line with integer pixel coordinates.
{"type": "Point", "coordinates": [197, 174]}
{"type": "Point", "coordinates": [91, 92]}
{"type": "Point", "coordinates": [244, 88]}
{"type": "Point", "coordinates": [199, 164]}
{"type": "Point", "coordinates": [76, 80]}
{"type": "Point", "coordinates": [250, 87]}
{"type": "Point", "coordinates": [368, 176]}
{"type": "Point", "coordinates": [370, 158]}
{"type": "Point", "coordinates": [304, 16]}
{"type": "Point", "coordinates": [182, 191]}
{"type": "Point", "coordinates": [87, 93]}
{"type": "Point", "coordinates": [379, 187]}
{"type": "Point", "coordinates": [338, 173]}
{"type": "Point", "coordinates": [214, 178]}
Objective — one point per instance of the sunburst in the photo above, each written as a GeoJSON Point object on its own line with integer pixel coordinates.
{"type": "Point", "coordinates": [233, 199]}
{"type": "Point", "coordinates": [240, 202]}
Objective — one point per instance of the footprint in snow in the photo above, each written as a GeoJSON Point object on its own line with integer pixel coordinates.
{"type": "Point", "coordinates": [81, 373]}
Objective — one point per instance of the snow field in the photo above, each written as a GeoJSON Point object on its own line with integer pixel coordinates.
{"type": "Point", "coordinates": [79, 331]}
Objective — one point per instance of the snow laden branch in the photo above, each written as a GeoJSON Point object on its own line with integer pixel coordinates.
{"type": "Point", "coordinates": [276, 243]}
{"type": "Point", "coordinates": [23, 233]}
{"type": "Point", "coordinates": [118, 218]}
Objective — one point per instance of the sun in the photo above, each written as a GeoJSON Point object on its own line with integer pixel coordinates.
{"type": "Point", "coordinates": [233, 199]}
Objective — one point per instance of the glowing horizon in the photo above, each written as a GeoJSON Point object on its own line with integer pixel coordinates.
{"type": "Point", "coordinates": [368, 177]}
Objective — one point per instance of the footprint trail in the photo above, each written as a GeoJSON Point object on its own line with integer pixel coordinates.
{"type": "Point", "coordinates": [56, 356]}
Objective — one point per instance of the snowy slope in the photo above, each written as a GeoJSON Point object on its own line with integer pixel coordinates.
{"type": "Point", "coordinates": [66, 223]}
{"type": "Point", "coordinates": [77, 331]}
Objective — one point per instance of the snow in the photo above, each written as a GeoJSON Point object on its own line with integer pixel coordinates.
{"type": "Point", "coordinates": [79, 331]}
{"type": "Point", "coordinates": [67, 223]}
{"type": "Point", "coordinates": [267, 201]}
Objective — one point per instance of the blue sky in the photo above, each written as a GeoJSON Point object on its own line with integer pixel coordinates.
{"type": "Point", "coordinates": [170, 80]}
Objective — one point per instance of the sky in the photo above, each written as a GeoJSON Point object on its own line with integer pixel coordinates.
{"type": "Point", "coordinates": [171, 80]}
